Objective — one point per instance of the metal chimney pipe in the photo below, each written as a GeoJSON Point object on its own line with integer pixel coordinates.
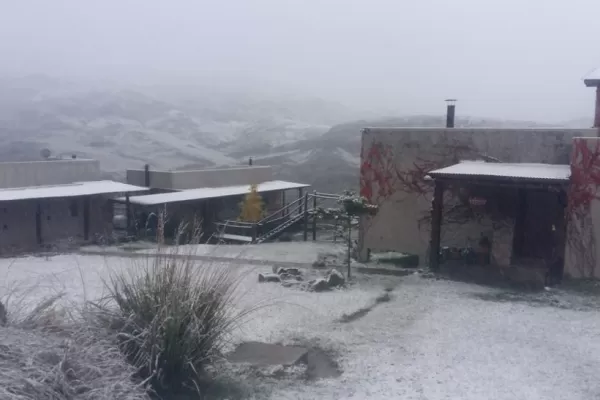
{"type": "Point", "coordinates": [597, 110]}
{"type": "Point", "coordinates": [450, 112]}
{"type": "Point", "coordinates": [147, 175]}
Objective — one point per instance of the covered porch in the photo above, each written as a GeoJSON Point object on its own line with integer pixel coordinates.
{"type": "Point", "coordinates": [501, 214]}
{"type": "Point", "coordinates": [211, 207]}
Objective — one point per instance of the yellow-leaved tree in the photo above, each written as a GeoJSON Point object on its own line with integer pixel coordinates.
{"type": "Point", "coordinates": [252, 206]}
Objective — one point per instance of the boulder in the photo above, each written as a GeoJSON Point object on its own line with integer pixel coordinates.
{"type": "Point", "coordinates": [268, 278]}
{"type": "Point", "coordinates": [318, 285]}
{"type": "Point", "coordinates": [335, 278]}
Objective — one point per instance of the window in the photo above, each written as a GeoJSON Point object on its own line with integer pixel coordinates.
{"type": "Point", "coordinates": [73, 209]}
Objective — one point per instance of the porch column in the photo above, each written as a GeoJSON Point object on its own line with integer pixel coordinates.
{"type": "Point", "coordinates": [519, 231]}
{"type": "Point", "coordinates": [128, 213]}
{"type": "Point", "coordinates": [38, 223]}
{"type": "Point", "coordinates": [86, 218]}
{"type": "Point", "coordinates": [436, 225]}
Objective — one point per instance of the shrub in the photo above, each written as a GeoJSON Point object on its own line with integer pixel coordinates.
{"type": "Point", "coordinates": [171, 317]}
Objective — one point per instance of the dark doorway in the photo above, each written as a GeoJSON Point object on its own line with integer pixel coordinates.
{"type": "Point", "coordinates": [539, 226]}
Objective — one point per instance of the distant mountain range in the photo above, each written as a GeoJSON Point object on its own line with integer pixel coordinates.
{"type": "Point", "coordinates": [307, 139]}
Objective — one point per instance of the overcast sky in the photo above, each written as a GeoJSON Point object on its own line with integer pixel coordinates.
{"type": "Point", "coordinates": [500, 58]}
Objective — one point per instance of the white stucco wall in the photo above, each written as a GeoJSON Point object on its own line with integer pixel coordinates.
{"type": "Point", "coordinates": [54, 172]}
{"type": "Point", "coordinates": [181, 180]}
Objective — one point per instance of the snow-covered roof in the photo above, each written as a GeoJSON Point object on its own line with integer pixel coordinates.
{"type": "Point", "coordinates": [67, 190]}
{"type": "Point", "coordinates": [513, 171]}
{"type": "Point", "coordinates": [210, 192]}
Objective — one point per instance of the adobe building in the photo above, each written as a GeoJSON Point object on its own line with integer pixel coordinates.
{"type": "Point", "coordinates": [532, 196]}
{"type": "Point", "coordinates": [53, 204]}
{"type": "Point", "coordinates": [211, 197]}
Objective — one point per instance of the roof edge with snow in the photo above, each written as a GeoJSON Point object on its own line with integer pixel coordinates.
{"type": "Point", "coordinates": [209, 193]}
{"type": "Point", "coordinates": [75, 189]}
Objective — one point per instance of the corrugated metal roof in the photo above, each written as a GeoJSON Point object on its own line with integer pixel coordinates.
{"type": "Point", "coordinates": [209, 193]}
{"type": "Point", "coordinates": [593, 78]}
{"type": "Point", "coordinates": [513, 171]}
{"type": "Point", "coordinates": [68, 190]}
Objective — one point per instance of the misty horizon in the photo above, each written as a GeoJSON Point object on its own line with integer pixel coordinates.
{"type": "Point", "coordinates": [501, 60]}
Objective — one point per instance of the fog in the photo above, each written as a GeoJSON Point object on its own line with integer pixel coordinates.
{"type": "Point", "coordinates": [500, 58]}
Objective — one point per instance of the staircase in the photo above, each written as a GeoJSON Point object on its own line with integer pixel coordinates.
{"type": "Point", "coordinates": [302, 210]}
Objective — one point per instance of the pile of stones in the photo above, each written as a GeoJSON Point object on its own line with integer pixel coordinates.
{"type": "Point", "coordinates": [293, 277]}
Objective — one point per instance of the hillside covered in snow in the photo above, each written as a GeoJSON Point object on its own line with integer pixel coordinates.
{"type": "Point", "coordinates": [172, 127]}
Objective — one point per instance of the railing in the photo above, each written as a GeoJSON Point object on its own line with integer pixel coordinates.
{"type": "Point", "coordinates": [298, 207]}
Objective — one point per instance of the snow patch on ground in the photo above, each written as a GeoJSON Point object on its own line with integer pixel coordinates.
{"type": "Point", "coordinates": [433, 340]}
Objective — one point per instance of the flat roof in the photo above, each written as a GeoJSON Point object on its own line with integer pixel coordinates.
{"type": "Point", "coordinates": [593, 78]}
{"type": "Point", "coordinates": [68, 190]}
{"type": "Point", "coordinates": [556, 173]}
{"type": "Point", "coordinates": [209, 193]}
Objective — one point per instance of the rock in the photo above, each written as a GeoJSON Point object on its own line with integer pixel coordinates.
{"type": "Point", "coordinates": [289, 271]}
{"type": "Point", "coordinates": [268, 278]}
{"type": "Point", "coordinates": [290, 284]}
{"type": "Point", "coordinates": [319, 285]}
{"type": "Point", "coordinates": [335, 278]}
{"type": "Point", "coordinates": [288, 277]}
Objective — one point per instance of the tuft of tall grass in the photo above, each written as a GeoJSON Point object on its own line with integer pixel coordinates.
{"type": "Point", "coordinates": [49, 353]}
{"type": "Point", "coordinates": [172, 316]}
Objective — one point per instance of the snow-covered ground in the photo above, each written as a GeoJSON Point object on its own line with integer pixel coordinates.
{"type": "Point", "coordinates": [434, 340]}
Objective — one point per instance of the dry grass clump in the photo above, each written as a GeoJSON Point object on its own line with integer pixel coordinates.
{"type": "Point", "coordinates": [172, 316]}
{"type": "Point", "coordinates": [46, 354]}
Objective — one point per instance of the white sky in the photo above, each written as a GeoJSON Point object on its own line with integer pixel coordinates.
{"type": "Point", "coordinates": [500, 58]}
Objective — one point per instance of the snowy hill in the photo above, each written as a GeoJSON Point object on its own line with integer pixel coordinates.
{"type": "Point", "coordinates": [307, 139]}
{"type": "Point", "coordinates": [167, 128]}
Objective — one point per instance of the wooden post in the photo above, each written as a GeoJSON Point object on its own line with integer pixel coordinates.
{"type": "Point", "coordinates": [38, 223]}
{"type": "Point", "coordinates": [284, 210]}
{"type": "Point", "coordinates": [335, 228]}
{"type": "Point", "coordinates": [519, 229]}
{"type": "Point", "coordinates": [305, 213]}
{"type": "Point", "coordinates": [86, 218]}
{"type": "Point", "coordinates": [314, 224]}
{"type": "Point", "coordinates": [300, 197]}
{"type": "Point", "coordinates": [436, 225]}
{"type": "Point", "coordinates": [128, 213]}
{"type": "Point", "coordinates": [349, 244]}
{"type": "Point", "coordinates": [254, 232]}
